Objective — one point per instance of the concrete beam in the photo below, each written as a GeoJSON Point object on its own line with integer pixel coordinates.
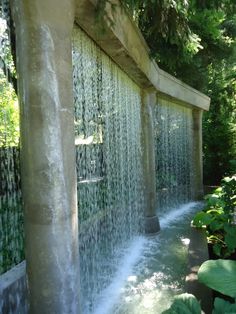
{"type": "Point", "coordinates": [121, 39]}
{"type": "Point", "coordinates": [149, 172]}
{"type": "Point", "coordinates": [44, 67]}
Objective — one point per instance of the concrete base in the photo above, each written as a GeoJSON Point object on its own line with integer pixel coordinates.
{"type": "Point", "coordinates": [13, 291]}
{"type": "Point", "coordinates": [198, 253]}
{"type": "Point", "coordinates": [152, 225]}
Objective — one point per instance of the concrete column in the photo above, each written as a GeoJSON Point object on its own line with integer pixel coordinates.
{"type": "Point", "coordinates": [44, 67]}
{"type": "Point", "coordinates": [151, 219]}
{"type": "Point", "coordinates": [197, 155]}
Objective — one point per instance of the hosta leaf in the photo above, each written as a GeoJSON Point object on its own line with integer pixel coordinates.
{"type": "Point", "coordinates": [214, 200]}
{"type": "Point", "coordinates": [216, 211]}
{"type": "Point", "coordinates": [219, 275]}
{"type": "Point", "coordinates": [184, 304]}
{"type": "Point", "coordinates": [218, 190]}
{"type": "Point", "coordinates": [230, 237]}
{"type": "Point", "coordinates": [230, 240]}
{"type": "Point", "coordinates": [202, 219]}
{"type": "Point", "coordinates": [217, 249]}
{"type": "Point", "coordinates": [216, 225]}
{"type": "Point", "coordinates": [223, 307]}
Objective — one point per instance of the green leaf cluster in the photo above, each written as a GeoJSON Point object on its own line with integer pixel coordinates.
{"type": "Point", "coordinates": [223, 307]}
{"type": "Point", "coordinates": [188, 304]}
{"type": "Point", "coordinates": [219, 275]}
{"type": "Point", "coordinates": [9, 114]}
{"type": "Point", "coordinates": [184, 304]}
{"type": "Point", "coordinates": [218, 218]}
{"type": "Point", "coordinates": [195, 41]}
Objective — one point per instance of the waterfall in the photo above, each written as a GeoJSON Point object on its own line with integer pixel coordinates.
{"type": "Point", "coordinates": [174, 155]}
{"type": "Point", "coordinates": [109, 169]}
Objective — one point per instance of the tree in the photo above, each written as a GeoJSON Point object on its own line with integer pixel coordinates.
{"type": "Point", "coordinates": [9, 114]}
{"type": "Point", "coordinates": [202, 34]}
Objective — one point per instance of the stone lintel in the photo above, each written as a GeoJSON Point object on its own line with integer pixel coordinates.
{"type": "Point", "coordinates": [121, 39]}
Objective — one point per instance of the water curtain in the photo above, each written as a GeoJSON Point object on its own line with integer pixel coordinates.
{"type": "Point", "coordinates": [174, 155]}
{"type": "Point", "coordinates": [109, 168]}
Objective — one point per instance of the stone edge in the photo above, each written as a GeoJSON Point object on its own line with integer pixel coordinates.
{"type": "Point", "coordinates": [13, 290]}
{"type": "Point", "coordinates": [197, 254]}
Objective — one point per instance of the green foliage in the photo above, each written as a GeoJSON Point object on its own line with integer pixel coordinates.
{"type": "Point", "coordinates": [9, 114]}
{"type": "Point", "coordinates": [232, 166]}
{"type": "Point", "coordinates": [220, 146]}
{"type": "Point", "coordinates": [202, 35]}
{"type": "Point", "coordinates": [7, 40]}
{"type": "Point", "coordinates": [188, 304]}
{"type": "Point", "coordinates": [219, 275]}
{"type": "Point", "coordinates": [166, 28]}
{"type": "Point", "coordinates": [229, 192]}
{"type": "Point", "coordinates": [223, 307]}
{"type": "Point", "coordinates": [184, 304]}
{"type": "Point", "coordinates": [11, 212]}
{"type": "Point", "coordinates": [5, 48]}
{"type": "Point", "coordinates": [218, 218]}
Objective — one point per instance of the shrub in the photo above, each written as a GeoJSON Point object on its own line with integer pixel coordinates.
{"type": "Point", "coordinates": [218, 218]}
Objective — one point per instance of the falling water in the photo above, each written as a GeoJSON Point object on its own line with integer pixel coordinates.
{"type": "Point", "coordinates": [11, 214]}
{"type": "Point", "coordinates": [109, 170]}
{"type": "Point", "coordinates": [174, 149]}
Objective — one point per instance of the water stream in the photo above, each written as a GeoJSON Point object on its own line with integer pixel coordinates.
{"type": "Point", "coordinates": [153, 270]}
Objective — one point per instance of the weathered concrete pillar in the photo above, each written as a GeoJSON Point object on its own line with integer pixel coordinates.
{"type": "Point", "coordinates": [44, 67]}
{"type": "Point", "coordinates": [151, 219]}
{"type": "Point", "coordinates": [197, 155]}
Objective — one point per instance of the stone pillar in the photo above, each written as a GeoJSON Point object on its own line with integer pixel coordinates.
{"type": "Point", "coordinates": [197, 155]}
{"type": "Point", "coordinates": [44, 67]}
{"type": "Point", "coordinates": [151, 219]}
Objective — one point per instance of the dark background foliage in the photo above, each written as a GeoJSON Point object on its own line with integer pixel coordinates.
{"type": "Point", "coordinates": [195, 41]}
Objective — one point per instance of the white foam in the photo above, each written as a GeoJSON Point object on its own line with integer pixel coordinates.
{"type": "Point", "coordinates": [177, 214]}
{"type": "Point", "coordinates": [111, 294]}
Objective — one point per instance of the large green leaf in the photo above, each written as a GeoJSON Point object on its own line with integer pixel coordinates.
{"type": "Point", "coordinates": [219, 275]}
{"type": "Point", "coordinates": [223, 307]}
{"type": "Point", "coordinates": [202, 219]}
{"type": "Point", "coordinates": [184, 304]}
{"type": "Point", "coordinates": [230, 237]}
